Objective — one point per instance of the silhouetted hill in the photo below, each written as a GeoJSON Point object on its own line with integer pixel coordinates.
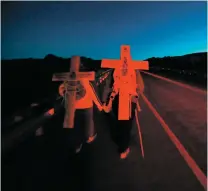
{"type": "Point", "coordinates": [196, 62]}
{"type": "Point", "coordinates": [27, 80]}
{"type": "Point", "coordinates": [190, 68]}
{"type": "Point", "coordinates": [39, 71]}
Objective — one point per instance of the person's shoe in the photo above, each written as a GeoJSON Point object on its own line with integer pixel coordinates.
{"type": "Point", "coordinates": [125, 154]}
{"type": "Point", "coordinates": [78, 149]}
{"type": "Point", "coordinates": [91, 138]}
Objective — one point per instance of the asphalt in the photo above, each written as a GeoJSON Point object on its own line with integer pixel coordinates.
{"type": "Point", "coordinates": [185, 111]}
{"type": "Point", "coordinates": [44, 163]}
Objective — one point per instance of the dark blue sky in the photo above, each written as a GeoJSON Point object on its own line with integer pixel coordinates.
{"type": "Point", "coordinates": [97, 29]}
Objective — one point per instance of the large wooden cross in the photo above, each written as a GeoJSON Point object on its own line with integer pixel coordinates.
{"type": "Point", "coordinates": [125, 78]}
{"type": "Point", "coordinates": [73, 76]}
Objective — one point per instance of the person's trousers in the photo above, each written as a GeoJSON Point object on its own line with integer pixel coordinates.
{"type": "Point", "coordinates": [123, 129]}
{"type": "Point", "coordinates": [83, 128]}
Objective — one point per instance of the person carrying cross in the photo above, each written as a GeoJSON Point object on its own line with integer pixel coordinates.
{"type": "Point", "coordinates": [83, 121]}
{"type": "Point", "coordinates": [123, 127]}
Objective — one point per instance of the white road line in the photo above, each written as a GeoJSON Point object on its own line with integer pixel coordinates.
{"type": "Point", "coordinates": [189, 160]}
{"type": "Point", "coordinates": [177, 83]}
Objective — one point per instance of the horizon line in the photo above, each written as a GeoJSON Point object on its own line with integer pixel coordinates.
{"type": "Point", "coordinates": [94, 59]}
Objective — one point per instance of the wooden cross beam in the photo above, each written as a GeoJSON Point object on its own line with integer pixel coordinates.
{"type": "Point", "coordinates": [125, 78]}
{"type": "Point", "coordinates": [73, 76]}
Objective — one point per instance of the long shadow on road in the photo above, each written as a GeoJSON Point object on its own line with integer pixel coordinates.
{"type": "Point", "coordinates": [45, 163]}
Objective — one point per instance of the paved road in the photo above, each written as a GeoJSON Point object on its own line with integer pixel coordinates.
{"type": "Point", "coordinates": [44, 163]}
{"type": "Point", "coordinates": [185, 111]}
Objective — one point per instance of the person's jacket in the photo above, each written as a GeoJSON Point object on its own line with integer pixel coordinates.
{"type": "Point", "coordinates": [113, 97]}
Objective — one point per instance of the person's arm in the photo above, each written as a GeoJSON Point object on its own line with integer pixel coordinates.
{"type": "Point", "coordinates": [95, 98]}
{"type": "Point", "coordinates": [108, 105]}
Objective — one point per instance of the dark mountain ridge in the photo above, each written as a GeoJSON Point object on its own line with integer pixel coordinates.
{"type": "Point", "coordinates": [195, 61]}
{"type": "Point", "coordinates": [24, 80]}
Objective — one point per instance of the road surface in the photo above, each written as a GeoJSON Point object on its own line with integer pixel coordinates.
{"type": "Point", "coordinates": [43, 163]}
